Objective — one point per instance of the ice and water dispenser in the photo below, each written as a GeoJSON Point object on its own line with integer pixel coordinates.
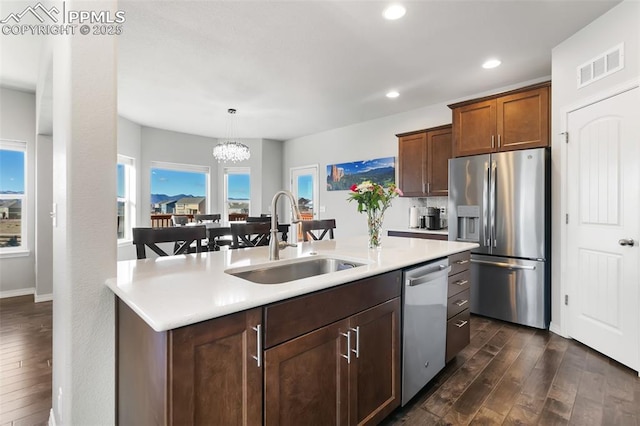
{"type": "Point", "coordinates": [468, 223]}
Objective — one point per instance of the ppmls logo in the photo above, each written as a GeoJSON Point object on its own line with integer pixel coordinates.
{"type": "Point", "coordinates": [38, 20]}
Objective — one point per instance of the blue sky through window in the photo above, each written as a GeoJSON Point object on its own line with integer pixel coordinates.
{"type": "Point", "coordinates": [305, 187]}
{"type": "Point", "coordinates": [120, 180]}
{"type": "Point", "coordinates": [175, 182]}
{"type": "Point", "coordinates": [239, 186]}
{"type": "Point", "coordinates": [11, 171]}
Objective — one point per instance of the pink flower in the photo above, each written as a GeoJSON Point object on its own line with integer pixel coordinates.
{"type": "Point", "coordinates": [398, 191]}
{"type": "Point", "coordinates": [354, 187]}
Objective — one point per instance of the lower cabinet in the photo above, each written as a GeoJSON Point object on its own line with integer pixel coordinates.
{"type": "Point", "coordinates": [347, 372]}
{"type": "Point", "coordinates": [205, 373]}
{"type": "Point", "coordinates": [458, 299]}
{"type": "Point", "coordinates": [332, 357]}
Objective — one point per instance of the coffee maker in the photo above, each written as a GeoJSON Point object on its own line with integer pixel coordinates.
{"type": "Point", "coordinates": [433, 218]}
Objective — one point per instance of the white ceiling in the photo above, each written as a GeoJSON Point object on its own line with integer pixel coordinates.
{"type": "Point", "coordinates": [293, 68]}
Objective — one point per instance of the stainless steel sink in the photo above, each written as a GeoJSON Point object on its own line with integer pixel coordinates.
{"type": "Point", "coordinates": [294, 270]}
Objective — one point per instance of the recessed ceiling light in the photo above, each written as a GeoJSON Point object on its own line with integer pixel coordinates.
{"type": "Point", "coordinates": [491, 63]}
{"type": "Point", "coordinates": [393, 12]}
{"type": "Point", "coordinates": [393, 94]}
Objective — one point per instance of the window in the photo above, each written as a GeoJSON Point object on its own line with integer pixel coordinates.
{"type": "Point", "coordinates": [237, 191]}
{"type": "Point", "coordinates": [13, 196]}
{"type": "Point", "coordinates": [180, 189]}
{"type": "Point", "coordinates": [126, 197]}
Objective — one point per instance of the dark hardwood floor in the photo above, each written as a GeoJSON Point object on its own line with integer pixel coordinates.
{"type": "Point", "coordinates": [507, 375]}
{"type": "Point", "coordinates": [25, 361]}
{"type": "Point", "coordinates": [511, 375]}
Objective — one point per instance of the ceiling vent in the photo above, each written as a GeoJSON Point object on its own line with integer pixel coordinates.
{"type": "Point", "coordinates": [601, 66]}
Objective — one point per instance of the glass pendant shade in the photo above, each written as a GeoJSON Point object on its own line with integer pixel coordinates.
{"type": "Point", "coordinates": [230, 149]}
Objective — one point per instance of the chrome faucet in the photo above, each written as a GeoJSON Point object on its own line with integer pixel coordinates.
{"type": "Point", "coordinates": [274, 245]}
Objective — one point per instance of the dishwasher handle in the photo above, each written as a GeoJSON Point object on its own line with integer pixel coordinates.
{"type": "Point", "coordinates": [441, 271]}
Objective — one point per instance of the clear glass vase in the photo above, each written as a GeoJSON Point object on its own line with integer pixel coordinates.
{"type": "Point", "coordinates": [374, 226]}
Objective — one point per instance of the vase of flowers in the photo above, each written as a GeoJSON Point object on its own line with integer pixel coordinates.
{"type": "Point", "coordinates": [373, 199]}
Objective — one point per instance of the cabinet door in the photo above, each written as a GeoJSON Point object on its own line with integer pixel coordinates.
{"type": "Point", "coordinates": [375, 366]}
{"type": "Point", "coordinates": [214, 379]}
{"type": "Point", "coordinates": [438, 154]}
{"type": "Point", "coordinates": [307, 379]}
{"type": "Point", "coordinates": [474, 128]}
{"type": "Point", "coordinates": [523, 120]}
{"type": "Point", "coordinates": [412, 164]}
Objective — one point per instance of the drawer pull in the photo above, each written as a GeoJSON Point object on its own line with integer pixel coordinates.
{"type": "Point", "coordinates": [461, 302]}
{"type": "Point", "coordinates": [462, 262]}
{"type": "Point", "coordinates": [258, 357]}
{"type": "Point", "coordinates": [461, 323]}
{"type": "Point", "coordinates": [348, 355]}
{"type": "Point", "coordinates": [461, 282]}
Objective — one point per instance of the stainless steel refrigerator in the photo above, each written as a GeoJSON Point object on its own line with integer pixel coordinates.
{"type": "Point", "coordinates": [502, 202]}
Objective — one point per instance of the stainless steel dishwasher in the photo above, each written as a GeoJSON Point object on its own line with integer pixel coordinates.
{"type": "Point", "coordinates": [424, 325]}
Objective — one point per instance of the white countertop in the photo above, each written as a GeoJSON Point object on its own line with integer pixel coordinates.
{"type": "Point", "coordinates": [444, 231]}
{"type": "Point", "coordinates": [174, 291]}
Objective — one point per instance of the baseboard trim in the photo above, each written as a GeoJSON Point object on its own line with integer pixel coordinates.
{"type": "Point", "coordinates": [16, 293]}
{"type": "Point", "coordinates": [43, 297]}
{"type": "Point", "coordinates": [52, 418]}
{"type": "Point", "coordinates": [554, 328]}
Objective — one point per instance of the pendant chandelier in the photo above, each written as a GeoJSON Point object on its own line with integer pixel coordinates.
{"type": "Point", "coordinates": [230, 149]}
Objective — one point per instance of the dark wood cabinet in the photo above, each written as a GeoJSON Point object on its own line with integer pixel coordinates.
{"type": "Point", "coordinates": [329, 371]}
{"type": "Point", "coordinates": [458, 299]}
{"type": "Point", "coordinates": [205, 373]}
{"type": "Point", "coordinates": [518, 119]}
{"type": "Point", "coordinates": [423, 162]}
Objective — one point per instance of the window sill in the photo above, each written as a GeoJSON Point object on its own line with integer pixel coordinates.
{"type": "Point", "coordinates": [124, 243]}
{"type": "Point", "coordinates": [14, 253]}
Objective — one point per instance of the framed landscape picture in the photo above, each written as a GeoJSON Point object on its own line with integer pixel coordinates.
{"type": "Point", "coordinates": [340, 177]}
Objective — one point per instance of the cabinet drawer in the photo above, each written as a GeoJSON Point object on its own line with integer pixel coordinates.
{"type": "Point", "coordinates": [458, 334]}
{"type": "Point", "coordinates": [458, 303]}
{"type": "Point", "coordinates": [459, 262]}
{"type": "Point", "coordinates": [458, 282]}
{"type": "Point", "coordinates": [295, 317]}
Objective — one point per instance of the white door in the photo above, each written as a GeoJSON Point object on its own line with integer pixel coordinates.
{"type": "Point", "coordinates": [604, 216]}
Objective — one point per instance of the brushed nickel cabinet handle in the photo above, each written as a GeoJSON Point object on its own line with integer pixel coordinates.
{"type": "Point", "coordinates": [461, 302]}
{"type": "Point", "coordinates": [462, 262]}
{"type": "Point", "coordinates": [348, 355]}
{"type": "Point", "coordinates": [357, 349]}
{"type": "Point", "coordinates": [461, 282]}
{"type": "Point", "coordinates": [461, 323]}
{"type": "Point", "coordinates": [258, 356]}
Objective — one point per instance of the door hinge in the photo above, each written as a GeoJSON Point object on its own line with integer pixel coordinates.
{"type": "Point", "coordinates": [566, 218]}
{"type": "Point", "coordinates": [566, 136]}
{"type": "Point", "coordinates": [566, 299]}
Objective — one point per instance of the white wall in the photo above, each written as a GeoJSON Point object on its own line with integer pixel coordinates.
{"type": "Point", "coordinates": [620, 24]}
{"type": "Point", "coordinates": [362, 141]}
{"type": "Point", "coordinates": [84, 158]}
{"type": "Point", "coordinates": [44, 227]}
{"type": "Point", "coordinates": [272, 174]}
{"type": "Point", "coordinates": [18, 122]}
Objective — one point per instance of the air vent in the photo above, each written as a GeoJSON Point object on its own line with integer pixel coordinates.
{"type": "Point", "coordinates": [601, 66]}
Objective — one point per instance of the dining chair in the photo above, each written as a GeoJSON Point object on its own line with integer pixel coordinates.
{"type": "Point", "coordinates": [318, 229]}
{"type": "Point", "coordinates": [199, 218]}
{"type": "Point", "coordinates": [179, 220]}
{"type": "Point", "coordinates": [250, 234]}
{"type": "Point", "coordinates": [258, 219]}
{"type": "Point", "coordinates": [182, 237]}
{"type": "Point", "coordinates": [233, 217]}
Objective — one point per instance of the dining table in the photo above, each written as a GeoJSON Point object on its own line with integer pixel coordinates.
{"type": "Point", "coordinates": [217, 231]}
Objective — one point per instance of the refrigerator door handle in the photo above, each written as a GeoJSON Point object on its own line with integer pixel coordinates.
{"type": "Point", "coordinates": [494, 173]}
{"type": "Point", "coordinates": [504, 265]}
{"type": "Point", "coordinates": [485, 204]}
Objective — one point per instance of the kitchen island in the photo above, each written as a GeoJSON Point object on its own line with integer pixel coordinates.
{"type": "Point", "coordinates": [197, 345]}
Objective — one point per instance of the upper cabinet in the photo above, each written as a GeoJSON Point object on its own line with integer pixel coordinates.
{"type": "Point", "coordinates": [423, 160]}
{"type": "Point", "coordinates": [509, 121]}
